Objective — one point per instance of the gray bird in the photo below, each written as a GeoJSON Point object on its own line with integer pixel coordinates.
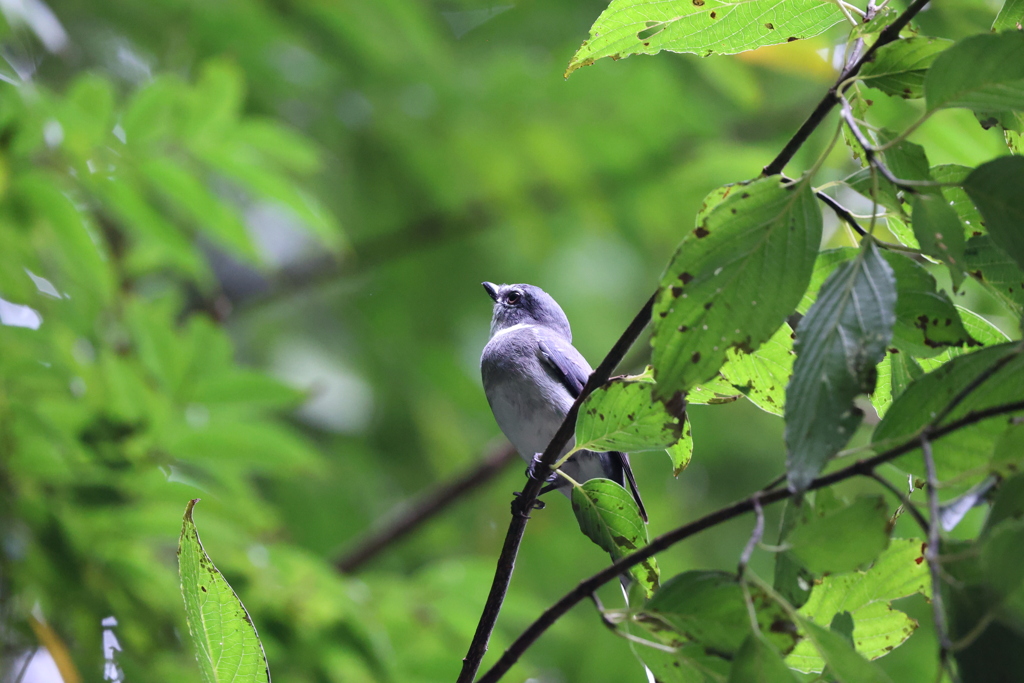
{"type": "Point", "coordinates": [532, 374]}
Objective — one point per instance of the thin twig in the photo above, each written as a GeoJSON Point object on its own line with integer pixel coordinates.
{"type": "Point", "coordinates": [931, 552]}
{"type": "Point", "coordinates": [841, 211]}
{"type": "Point", "coordinates": [755, 537]}
{"type": "Point", "coordinates": [666, 540]}
{"type": "Point", "coordinates": [831, 98]}
{"type": "Point", "coordinates": [904, 501]}
{"type": "Point", "coordinates": [523, 503]}
{"type": "Point", "coordinates": [428, 506]}
{"type": "Point", "coordinates": [28, 660]}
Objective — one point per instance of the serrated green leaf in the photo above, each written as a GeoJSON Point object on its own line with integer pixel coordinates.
{"type": "Point", "coordinates": [713, 392]}
{"type": "Point", "coordinates": [997, 188]}
{"type": "Point", "coordinates": [939, 232]}
{"type": "Point", "coordinates": [623, 415]}
{"type": "Point", "coordinates": [733, 280]}
{"type": "Point", "coordinates": [982, 72]}
{"type": "Point", "coordinates": [899, 67]}
{"type": "Point", "coordinates": [868, 595]}
{"type": "Point", "coordinates": [968, 448]}
{"type": "Point", "coordinates": [838, 344]}
{"type": "Point", "coordinates": [926, 319]}
{"type": "Point", "coordinates": [1010, 17]}
{"type": "Point", "coordinates": [227, 647]}
{"type": "Point", "coordinates": [703, 27]}
{"type": "Point", "coordinates": [609, 516]}
{"type": "Point", "coordinates": [762, 375]}
{"type": "Point", "coordinates": [708, 608]}
{"type": "Point", "coordinates": [844, 539]}
{"type": "Point", "coordinates": [758, 662]}
{"type": "Point", "coordinates": [995, 269]}
{"type": "Point", "coordinates": [681, 452]}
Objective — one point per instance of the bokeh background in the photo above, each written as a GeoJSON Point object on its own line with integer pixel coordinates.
{"type": "Point", "coordinates": [241, 243]}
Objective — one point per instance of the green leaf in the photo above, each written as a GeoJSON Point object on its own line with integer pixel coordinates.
{"type": "Point", "coordinates": [838, 344]}
{"type": "Point", "coordinates": [227, 646]}
{"type": "Point", "coordinates": [762, 374]}
{"type": "Point", "coordinates": [844, 539]}
{"type": "Point", "coordinates": [682, 451]}
{"type": "Point", "coordinates": [1008, 454]}
{"type": "Point", "coordinates": [623, 415]}
{"type": "Point", "coordinates": [995, 269]}
{"type": "Point", "coordinates": [899, 67]}
{"type": "Point", "coordinates": [792, 580]}
{"type": "Point", "coordinates": [1002, 557]}
{"type": "Point", "coordinates": [982, 72]}
{"type": "Point", "coordinates": [824, 265]}
{"type": "Point", "coordinates": [843, 661]}
{"type": "Point", "coordinates": [926, 320]}
{"type": "Point", "coordinates": [759, 662]}
{"type": "Point", "coordinates": [713, 392]}
{"type": "Point", "coordinates": [733, 280]}
{"type": "Point", "coordinates": [867, 596]}
{"type": "Point", "coordinates": [1010, 17]}
{"type": "Point", "coordinates": [902, 231]}
{"type": "Point", "coordinates": [997, 188]}
{"type": "Point", "coordinates": [609, 516]}
{"type": "Point", "coordinates": [969, 216]}
{"type": "Point", "coordinates": [708, 608]}
{"type": "Point", "coordinates": [895, 374]}
{"type": "Point", "coordinates": [968, 448]}
{"type": "Point", "coordinates": [939, 232]}
{"type": "Point", "coordinates": [703, 27]}
{"type": "Point", "coordinates": [906, 160]}
{"type": "Point", "coordinates": [865, 181]}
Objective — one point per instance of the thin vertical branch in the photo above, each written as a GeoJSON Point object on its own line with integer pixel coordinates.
{"type": "Point", "coordinates": [931, 552]}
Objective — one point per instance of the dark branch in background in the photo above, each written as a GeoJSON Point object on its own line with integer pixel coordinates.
{"type": "Point", "coordinates": [931, 552]}
{"type": "Point", "coordinates": [588, 586]}
{"type": "Point", "coordinates": [831, 99]}
{"type": "Point", "coordinates": [429, 504]}
{"type": "Point", "coordinates": [841, 211]}
{"type": "Point", "coordinates": [524, 502]}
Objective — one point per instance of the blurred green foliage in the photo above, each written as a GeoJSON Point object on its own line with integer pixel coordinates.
{"type": "Point", "coordinates": [240, 248]}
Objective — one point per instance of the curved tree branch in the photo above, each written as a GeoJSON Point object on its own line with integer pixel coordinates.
{"type": "Point", "coordinates": [666, 540]}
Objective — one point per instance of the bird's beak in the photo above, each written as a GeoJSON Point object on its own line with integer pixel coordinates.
{"type": "Point", "coordinates": [492, 289]}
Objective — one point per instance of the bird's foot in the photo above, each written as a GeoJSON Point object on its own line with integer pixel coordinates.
{"type": "Point", "coordinates": [535, 467]}
{"type": "Point", "coordinates": [517, 506]}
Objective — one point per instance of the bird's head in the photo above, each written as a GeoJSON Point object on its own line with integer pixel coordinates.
{"type": "Point", "coordinates": [525, 304]}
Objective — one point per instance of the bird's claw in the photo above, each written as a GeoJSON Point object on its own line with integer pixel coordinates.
{"type": "Point", "coordinates": [517, 507]}
{"type": "Point", "coordinates": [532, 471]}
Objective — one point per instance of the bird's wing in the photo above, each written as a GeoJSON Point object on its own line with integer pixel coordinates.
{"type": "Point", "coordinates": [571, 370]}
{"type": "Point", "coordinates": [565, 363]}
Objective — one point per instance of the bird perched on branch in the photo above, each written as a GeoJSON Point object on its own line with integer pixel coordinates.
{"type": "Point", "coordinates": [532, 374]}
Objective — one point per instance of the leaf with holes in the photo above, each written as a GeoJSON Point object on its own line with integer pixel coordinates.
{"type": "Point", "coordinates": [898, 572]}
{"type": "Point", "coordinates": [609, 516]}
{"type": "Point", "coordinates": [681, 452]}
{"type": "Point", "coordinates": [733, 280]}
{"type": "Point", "coordinates": [623, 415]}
{"type": "Point", "coordinates": [227, 647]}
{"type": "Point", "coordinates": [703, 27]}
{"type": "Point", "coordinates": [762, 375]}
{"type": "Point", "coordinates": [838, 344]}
{"type": "Point", "coordinates": [982, 72]}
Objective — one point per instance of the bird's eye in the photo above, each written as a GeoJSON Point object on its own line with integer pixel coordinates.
{"type": "Point", "coordinates": [513, 298]}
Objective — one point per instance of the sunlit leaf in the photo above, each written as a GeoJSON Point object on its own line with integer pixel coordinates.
{"type": "Point", "coordinates": [227, 647]}
{"type": "Point", "coordinates": [843, 539]}
{"type": "Point", "coordinates": [703, 27]}
{"type": "Point", "coordinates": [609, 516]}
{"type": "Point", "coordinates": [838, 344]}
{"type": "Point", "coordinates": [681, 452]}
{"type": "Point", "coordinates": [843, 661]}
{"type": "Point", "coordinates": [623, 415]}
{"type": "Point", "coordinates": [899, 67]}
{"type": "Point", "coordinates": [762, 375]}
{"type": "Point", "coordinates": [733, 280]}
{"type": "Point", "coordinates": [1011, 16]}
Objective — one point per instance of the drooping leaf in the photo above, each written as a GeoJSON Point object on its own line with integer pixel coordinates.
{"type": "Point", "coordinates": [623, 415]}
{"type": "Point", "coordinates": [762, 375]}
{"type": "Point", "coordinates": [899, 67]}
{"type": "Point", "coordinates": [758, 662]}
{"type": "Point", "coordinates": [682, 451]}
{"type": "Point", "coordinates": [968, 448]}
{"type": "Point", "coordinates": [609, 516]}
{"type": "Point", "coordinates": [939, 232]}
{"type": "Point", "coordinates": [867, 596]}
{"type": "Point", "coordinates": [733, 280]}
{"type": "Point", "coordinates": [982, 72]}
{"type": "Point", "coordinates": [997, 188]}
{"type": "Point", "coordinates": [838, 344]}
{"type": "Point", "coordinates": [708, 608]}
{"type": "Point", "coordinates": [844, 539]}
{"type": "Point", "coordinates": [227, 647]}
{"type": "Point", "coordinates": [703, 27]}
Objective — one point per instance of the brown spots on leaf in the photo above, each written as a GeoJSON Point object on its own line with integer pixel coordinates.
{"type": "Point", "coordinates": [708, 305]}
{"type": "Point", "coordinates": [684, 328]}
{"type": "Point", "coordinates": [663, 314]}
{"type": "Point", "coordinates": [686, 278]}
{"type": "Point", "coordinates": [676, 290]}
{"type": "Point", "coordinates": [696, 357]}
{"type": "Point", "coordinates": [714, 16]}
{"type": "Point", "coordinates": [698, 3]}
{"type": "Point", "coordinates": [701, 231]}
{"type": "Point", "coordinates": [769, 26]}
{"type": "Point", "coordinates": [791, 39]}
{"type": "Point", "coordinates": [203, 588]}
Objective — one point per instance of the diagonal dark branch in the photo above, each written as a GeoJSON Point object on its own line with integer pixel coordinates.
{"type": "Point", "coordinates": [524, 502]}
{"type": "Point", "coordinates": [430, 504]}
{"type": "Point", "coordinates": [831, 98]}
{"type": "Point", "coordinates": [842, 212]}
{"type": "Point", "coordinates": [588, 586]}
